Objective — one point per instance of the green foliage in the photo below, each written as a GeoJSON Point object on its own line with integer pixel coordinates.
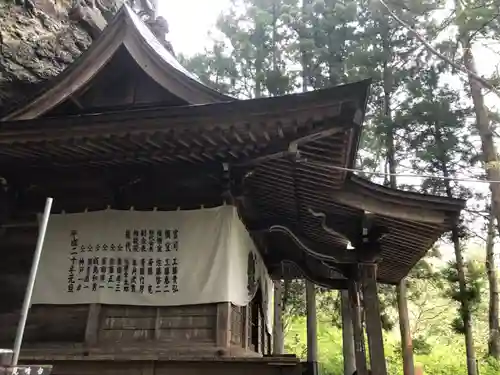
{"type": "Point", "coordinates": [441, 358]}
{"type": "Point", "coordinates": [472, 294]}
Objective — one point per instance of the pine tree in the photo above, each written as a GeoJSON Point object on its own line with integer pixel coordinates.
{"type": "Point", "coordinates": [441, 141]}
{"type": "Point", "coordinates": [493, 306]}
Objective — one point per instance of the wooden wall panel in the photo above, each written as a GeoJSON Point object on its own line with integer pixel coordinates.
{"type": "Point", "coordinates": [237, 325]}
{"type": "Point", "coordinates": [46, 323]}
{"type": "Point", "coordinates": [177, 324]}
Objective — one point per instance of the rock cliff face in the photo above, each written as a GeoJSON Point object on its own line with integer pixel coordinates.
{"type": "Point", "coordinates": [39, 42]}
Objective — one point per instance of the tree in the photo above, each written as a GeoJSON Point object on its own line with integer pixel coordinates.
{"type": "Point", "coordinates": [467, 19]}
{"type": "Point", "coordinates": [441, 140]}
{"type": "Point", "coordinates": [493, 319]}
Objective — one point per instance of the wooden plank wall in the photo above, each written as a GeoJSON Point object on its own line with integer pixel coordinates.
{"type": "Point", "coordinates": [57, 324]}
{"type": "Point", "coordinates": [98, 326]}
{"type": "Point", "coordinates": [175, 324]}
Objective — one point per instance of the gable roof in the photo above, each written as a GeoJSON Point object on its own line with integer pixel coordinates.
{"type": "Point", "coordinates": [128, 31]}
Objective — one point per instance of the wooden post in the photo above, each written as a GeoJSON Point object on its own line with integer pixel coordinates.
{"type": "Point", "coordinates": [312, 332]}
{"type": "Point", "coordinates": [278, 341]}
{"type": "Point", "coordinates": [357, 328]}
{"type": "Point", "coordinates": [263, 334]}
{"type": "Point", "coordinates": [246, 326]}
{"type": "Point", "coordinates": [92, 326]}
{"type": "Point", "coordinates": [158, 323]}
{"type": "Point", "coordinates": [347, 335]}
{"type": "Point", "coordinates": [373, 322]}
{"type": "Point", "coordinates": [223, 335]}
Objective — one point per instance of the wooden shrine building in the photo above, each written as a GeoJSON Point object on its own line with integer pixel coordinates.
{"type": "Point", "coordinates": [126, 127]}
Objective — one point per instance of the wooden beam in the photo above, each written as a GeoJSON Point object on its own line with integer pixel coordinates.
{"type": "Point", "coordinates": [359, 342]}
{"type": "Point", "coordinates": [373, 322]}
{"type": "Point", "coordinates": [338, 256]}
{"type": "Point", "coordinates": [384, 207]}
{"type": "Point", "coordinates": [182, 119]}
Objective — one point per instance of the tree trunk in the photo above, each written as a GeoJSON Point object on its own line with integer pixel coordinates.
{"type": "Point", "coordinates": [492, 172]}
{"type": "Point", "coordinates": [404, 327]}
{"type": "Point", "coordinates": [347, 335]}
{"type": "Point", "coordinates": [465, 308]}
{"type": "Point", "coordinates": [464, 302]}
{"type": "Point", "coordinates": [494, 331]}
{"type": "Point", "coordinates": [404, 321]}
{"type": "Point", "coordinates": [482, 122]}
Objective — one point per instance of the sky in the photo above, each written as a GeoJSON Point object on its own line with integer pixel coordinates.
{"type": "Point", "coordinates": [191, 20]}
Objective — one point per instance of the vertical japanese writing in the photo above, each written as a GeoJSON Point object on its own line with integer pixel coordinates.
{"type": "Point", "coordinates": [72, 259]}
{"type": "Point", "coordinates": [119, 275]}
{"type": "Point", "coordinates": [111, 273]}
{"type": "Point", "coordinates": [95, 273]}
{"type": "Point", "coordinates": [159, 241]}
{"type": "Point", "coordinates": [166, 275]}
{"type": "Point", "coordinates": [143, 240]}
{"type": "Point", "coordinates": [126, 280]}
{"type": "Point", "coordinates": [158, 278]}
{"type": "Point", "coordinates": [145, 261]}
{"type": "Point", "coordinates": [135, 241]}
{"type": "Point", "coordinates": [151, 240]}
{"type": "Point", "coordinates": [175, 269]}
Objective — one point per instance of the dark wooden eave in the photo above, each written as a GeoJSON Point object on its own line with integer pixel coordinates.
{"type": "Point", "coordinates": [129, 32]}
{"type": "Point", "coordinates": [327, 121]}
{"type": "Point", "coordinates": [414, 222]}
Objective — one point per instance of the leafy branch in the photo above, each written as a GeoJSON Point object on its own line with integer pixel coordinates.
{"type": "Point", "coordinates": [434, 51]}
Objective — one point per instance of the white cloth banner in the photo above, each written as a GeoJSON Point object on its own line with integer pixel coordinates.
{"type": "Point", "coordinates": [153, 258]}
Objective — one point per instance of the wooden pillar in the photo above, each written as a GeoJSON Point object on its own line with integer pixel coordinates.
{"type": "Point", "coordinates": [263, 334]}
{"type": "Point", "coordinates": [347, 335]}
{"type": "Point", "coordinates": [373, 322]}
{"type": "Point", "coordinates": [223, 335]}
{"type": "Point", "coordinates": [92, 325]}
{"type": "Point", "coordinates": [357, 328]}
{"type": "Point", "coordinates": [278, 336]}
{"type": "Point", "coordinates": [246, 326]}
{"type": "Point", "coordinates": [312, 331]}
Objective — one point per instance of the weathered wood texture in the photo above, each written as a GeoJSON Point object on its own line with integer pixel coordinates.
{"type": "Point", "coordinates": [117, 329]}
{"type": "Point", "coordinates": [238, 335]}
{"type": "Point", "coordinates": [182, 324]}
{"type": "Point", "coordinates": [56, 324]}
{"type": "Point", "coordinates": [261, 366]}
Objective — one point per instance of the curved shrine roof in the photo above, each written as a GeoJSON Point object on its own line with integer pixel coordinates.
{"type": "Point", "coordinates": [285, 157]}
{"type": "Point", "coordinates": [128, 32]}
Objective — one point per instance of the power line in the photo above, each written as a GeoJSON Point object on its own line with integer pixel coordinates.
{"type": "Point", "coordinates": [404, 175]}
